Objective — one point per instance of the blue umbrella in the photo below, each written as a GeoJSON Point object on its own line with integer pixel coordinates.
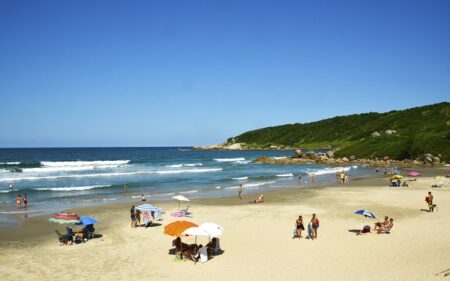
{"type": "Point", "coordinates": [84, 220]}
{"type": "Point", "coordinates": [366, 213]}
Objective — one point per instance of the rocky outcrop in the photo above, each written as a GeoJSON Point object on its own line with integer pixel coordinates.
{"type": "Point", "coordinates": [375, 134]}
{"type": "Point", "coordinates": [324, 158]}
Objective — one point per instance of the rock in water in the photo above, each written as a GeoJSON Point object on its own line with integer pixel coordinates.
{"type": "Point", "coordinates": [298, 153]}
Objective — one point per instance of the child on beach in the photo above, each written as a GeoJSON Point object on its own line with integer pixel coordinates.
{"type": "Point", "coordinates": [299, 227]}
{"type": "Point", "coordinates": [429, 200]}
{"type": "Point", "coordinates": [25, 200]}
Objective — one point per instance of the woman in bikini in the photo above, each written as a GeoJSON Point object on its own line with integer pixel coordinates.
{"type": "Point", "coordinates": [18, 201]}
{"type": "Point", "coordinates": [299, 226]}
{"type": "Point", "coordinates": [315, 225]}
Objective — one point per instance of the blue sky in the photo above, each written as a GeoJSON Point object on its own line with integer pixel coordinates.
{"type": "Point", "coordinates": [157, 73]}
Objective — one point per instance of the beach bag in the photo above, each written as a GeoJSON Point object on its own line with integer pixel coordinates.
{"type": "Point", "coordinates": [366, 229]}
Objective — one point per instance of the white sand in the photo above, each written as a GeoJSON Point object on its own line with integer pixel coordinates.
{"type": "Point", "coordinates": [258, 242]}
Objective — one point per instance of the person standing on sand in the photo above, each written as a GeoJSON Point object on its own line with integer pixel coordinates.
{"type": "Point", "coordinates": [429, 200]}
{"type": "Point", "coordinates": [240, 191]}
{"type": "Point", "coordinates": [313, 178]}
{"type": "Point", "coordinates": [377, 171]}
{"type": "Point", "coordinates": [133, 216]}
{"type": "Point", "coordinates": [25, 200]}
{"type": "Point", "coordinates": [299, 227]}
{"type": "Point", "coordinates": [314, 225]}
{"type": "Point", "coordinates": [18, 201]}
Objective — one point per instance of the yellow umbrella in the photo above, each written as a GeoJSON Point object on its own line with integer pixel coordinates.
{"type": "Point", "coordinates": [397, 177]}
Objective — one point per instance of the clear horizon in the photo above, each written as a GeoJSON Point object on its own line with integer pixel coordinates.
{"type": "Point", "coordinates": [155, 74]}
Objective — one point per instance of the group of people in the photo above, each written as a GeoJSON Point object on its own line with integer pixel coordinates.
{"type": "Point", "coordinates": [313, 226]}
{"type": "Point", "coordinates": [385, 226]}
{"type": "Point", "coordinates": [194, 252]}
{"type": "Point", "coordinates": [313, 178]}
{"type": "Point", "coordinates": [135, 216]}
{"type": "Point", "coordinates": [77, 237]}
{"type": "Point", "coordinates": [342, 177]}
{"type": "Point", "coordinates": [22, 200]}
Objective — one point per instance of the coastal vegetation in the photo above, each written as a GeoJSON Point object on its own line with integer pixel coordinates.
{"type": "Point", "coordinates": [398, 134]}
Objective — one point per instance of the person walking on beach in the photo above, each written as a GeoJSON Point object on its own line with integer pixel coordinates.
{"type": "Point", "coordinates": [429, 200]}
{"type": "Point", "coordinates": [25, 200]}
{"type": "Point", "coordinates": [313, 178]}
{"type": "Point", "coordinates": [299, 226]}
{"type": "Point", "coordinates": [133, 216]}
{"type": "Point", "coordinates": [314, 225]}
{"type": "Point", "coordinates": [240, 191]}
{"type": "Point", "coordinates": [18, 201]}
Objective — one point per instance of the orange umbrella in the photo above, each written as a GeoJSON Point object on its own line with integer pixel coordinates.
{"type": "Point", "coordinates": [176, 228]}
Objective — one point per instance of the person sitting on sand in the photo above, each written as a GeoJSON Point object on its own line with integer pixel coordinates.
{"type": "Point", "coordinates": [299, 227]}
{"type": "Point", "coordinates": [405, 184]}
{"type": "Point", "coordinates": [202, 254]}
{"type": "Point", "coordinates": [387, 228]}
{"type": "Point", "coordinates": [260, 199]}
{"type": "Point", "coordinates": [178, 244]}
{"type": "Point", "coordinates": [381, 225]}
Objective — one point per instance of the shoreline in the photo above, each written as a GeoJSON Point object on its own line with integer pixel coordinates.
{"type": "Point", "coordinates": [260, 233]}
{"type": "Point", "coordinates": [21, 228]}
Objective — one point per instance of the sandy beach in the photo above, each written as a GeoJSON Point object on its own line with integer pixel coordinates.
{"type": "Point", "coordinates": [257, 240]}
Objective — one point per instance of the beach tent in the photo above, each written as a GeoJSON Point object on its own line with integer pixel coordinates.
{"type": "Point", "coordinates": [147, 209]}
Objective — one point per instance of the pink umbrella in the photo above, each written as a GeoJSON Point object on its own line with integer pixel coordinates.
{"type": "Point", "coordinates": [414, 174]}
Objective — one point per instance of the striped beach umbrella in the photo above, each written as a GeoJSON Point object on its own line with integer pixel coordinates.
{"type": "Point", "coordinates": [147, 208]}
{"type": "Point", "coordinates": [64, 218]}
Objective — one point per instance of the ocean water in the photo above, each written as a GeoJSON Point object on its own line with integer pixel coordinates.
{"type": "Point", "coordinates": [62, 178]}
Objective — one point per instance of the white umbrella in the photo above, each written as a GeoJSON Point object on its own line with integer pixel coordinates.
{"type": "Point", "coordinates": [195, 231]}
{"type": "Point", "coordinates": [180, 198]}
{"type": "Point", "coordinates": [214, 230]}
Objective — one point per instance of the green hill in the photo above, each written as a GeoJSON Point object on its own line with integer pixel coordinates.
{"type": "Point", "coordinates": [419, 130]}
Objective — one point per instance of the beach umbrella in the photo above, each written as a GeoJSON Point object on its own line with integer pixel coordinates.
{"type": "Point", "coordinates": [180, 198]}
{"type": "Point", "coordinates": [84, 220]}
{"type": "Point", "coordinates": [147, 208]}
{"type": "Point", "coordinates": [414, 174]}
{"type": "Point", "coordinates": [213, 229]}
{"type": "Point", "coordinates": [176, 228]}
{"type": "Point", "coordinates": [64, 218]}
{"type": "Point", "coordinates": [366, 213]}
{"type": "Point", "coordinates": [195, 231]}
{"type": "Point", "coordinates": [397, 177]}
